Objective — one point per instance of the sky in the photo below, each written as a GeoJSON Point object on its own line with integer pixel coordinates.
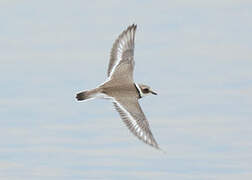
{"type": "Point", "coordinates": [195, 54]}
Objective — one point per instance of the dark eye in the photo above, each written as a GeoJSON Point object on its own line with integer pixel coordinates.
{"type": "Point", "coordinates": [145, 90]}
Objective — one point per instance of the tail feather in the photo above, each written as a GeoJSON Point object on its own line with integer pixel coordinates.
{"type": "Point", "coordinates": [86, 95]}
{"type": "Point", "coordinates": [81, 96]}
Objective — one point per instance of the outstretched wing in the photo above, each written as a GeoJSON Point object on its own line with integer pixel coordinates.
{"type": "Point", "coordinates": [133, 116]}
{"type": "Point", "coordinates": [122, 54]}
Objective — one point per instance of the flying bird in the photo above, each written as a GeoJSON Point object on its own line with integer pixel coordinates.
{"type": "Point", "coordinates": [121, 88]}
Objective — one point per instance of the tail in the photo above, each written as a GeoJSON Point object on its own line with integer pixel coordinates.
{"type": "Point", "coordinates": [86, 95]}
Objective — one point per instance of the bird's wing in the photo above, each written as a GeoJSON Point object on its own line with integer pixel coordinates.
{"type": "Point", "coordinates": [121, 64]}
{"type": "Point", "coordinates": [133, 116]}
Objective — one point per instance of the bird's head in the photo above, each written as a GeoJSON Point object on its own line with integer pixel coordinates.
{"type": "Point", "coordinates": [145, 90]}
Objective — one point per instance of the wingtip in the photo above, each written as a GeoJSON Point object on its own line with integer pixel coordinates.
{"type": "Point", "coordinates": [158, 148]}
{"type": "Point", "coordinates": [155, 145]}
{"type": "Point", "coordinates": [133, 26]}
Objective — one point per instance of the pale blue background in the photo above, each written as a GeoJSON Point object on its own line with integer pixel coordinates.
{"type": "Point", "coordinates": [196, 54]}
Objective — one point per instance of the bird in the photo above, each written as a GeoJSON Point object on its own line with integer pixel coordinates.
{"type": "Point", "coordinates": [121, 89]}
